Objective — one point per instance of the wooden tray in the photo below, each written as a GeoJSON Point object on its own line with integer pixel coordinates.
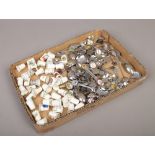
{"type": "Point", "coordinates": [67, 117]}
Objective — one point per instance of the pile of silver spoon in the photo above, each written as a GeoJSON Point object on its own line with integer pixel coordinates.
{"type": "Point", "coordinates": [88, 77]}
